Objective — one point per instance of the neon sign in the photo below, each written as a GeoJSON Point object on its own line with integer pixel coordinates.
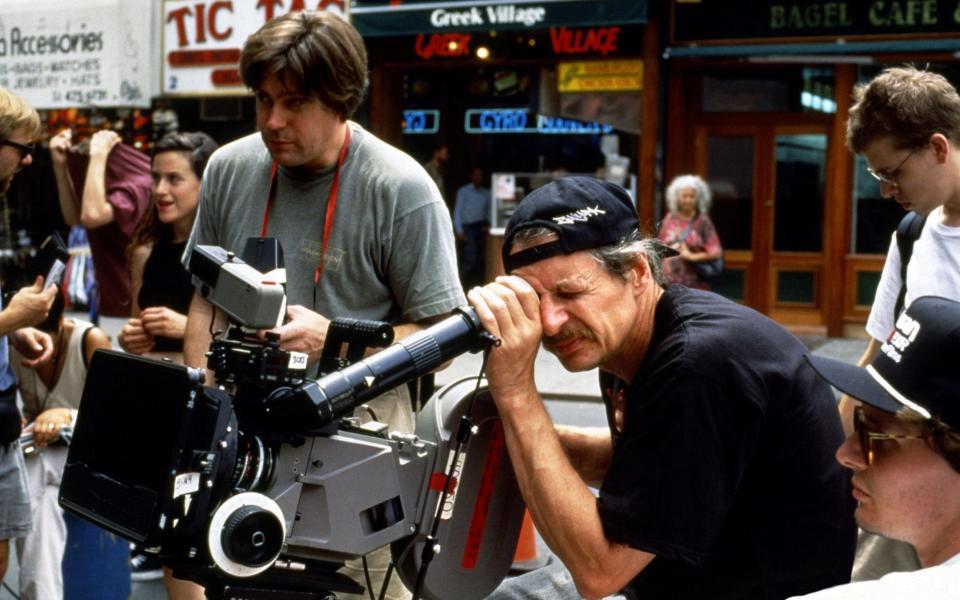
{"type": "Point", "coordinates": [520, 120]}
{"type": "Point", "coordinates": [421, 122]}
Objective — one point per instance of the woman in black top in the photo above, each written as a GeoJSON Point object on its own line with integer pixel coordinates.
{"type": "Point", "coordinates": [161, 286]}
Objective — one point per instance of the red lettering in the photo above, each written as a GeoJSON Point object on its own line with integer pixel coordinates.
{"type": "Point", "coordinates": [297, 5]}
{"type": "Point", "coordinates": [201, 33]}
{"type": "Point", "coordinates": [268, 6]}
{"type": "Point", "coordinates": [178, 16]}
{"type": "Point", "coordinates": [442, 44]}
{"type": "Point", "coordinates": [215, 9]}
{"type": "Point", "coordinates": [600, 40]}
{"type": "Point", "coordinates": [327, 3]}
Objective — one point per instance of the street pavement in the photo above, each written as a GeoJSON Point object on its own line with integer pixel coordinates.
{"type": "Point", "coordinates": [571, 398]}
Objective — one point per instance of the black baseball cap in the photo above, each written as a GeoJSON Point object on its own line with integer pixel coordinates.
{"type": "Point", "coordinates": [583, 211]}
{"type": "Point", "coordinates": [916, 367]}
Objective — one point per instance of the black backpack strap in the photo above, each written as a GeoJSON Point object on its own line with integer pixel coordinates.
{"type": "Point", "coordinates": [908, 232]}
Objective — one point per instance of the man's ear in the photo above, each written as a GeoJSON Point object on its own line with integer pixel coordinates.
{"type": "Point", "coordinates": [941, 147]}
{"type": "Point", "coordinates": [639, 275]}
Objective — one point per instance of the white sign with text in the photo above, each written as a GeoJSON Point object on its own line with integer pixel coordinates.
{"type": "Point", "coordinates": [57, 54]}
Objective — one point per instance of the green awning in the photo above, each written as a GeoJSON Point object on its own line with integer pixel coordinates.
{"type": "Point", "coordinates": [383, 18]}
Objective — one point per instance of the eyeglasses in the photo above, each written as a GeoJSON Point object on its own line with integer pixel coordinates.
{"type": "Point", "coordinates": [890, 178]}
{"type": "Point", "coordinates": [24, 149]}
{"type": "Point", "coordinates": [868, 437]}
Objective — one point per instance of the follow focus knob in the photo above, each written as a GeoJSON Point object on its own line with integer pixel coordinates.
{"type": "Point", "coordinates": [252, 536]}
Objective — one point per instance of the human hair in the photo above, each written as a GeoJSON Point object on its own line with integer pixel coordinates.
{"type": "Point", "coordinates": [317, 53]}
{"type": "Point", "coordinates": [905, 103]}
{"type": "Point", "coordinates": [16, 114]}
{"type": "Point", "coordinates": [196, 143]}
{"type": "Point", "coordinates": [617, 259]}
{"type": "Point", "coordinates": [699, 186]}
{"type": "Point", "coordinates": [942, 439]}
{"type": "Point", "coordinates": [198, 147]}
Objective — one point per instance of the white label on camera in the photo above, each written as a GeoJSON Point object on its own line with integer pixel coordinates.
{"type": "Point", "coordinates": [451, 498]}
{"type": "Point", "coordinates": [298, 360]}
{"type": "Point", "coordinates": [186, 483]}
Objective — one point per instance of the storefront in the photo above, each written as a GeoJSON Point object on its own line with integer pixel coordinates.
{"type": "Point", "coordinates": [758, 105]}
{"type": "Point", "coordinates": [528, 87]}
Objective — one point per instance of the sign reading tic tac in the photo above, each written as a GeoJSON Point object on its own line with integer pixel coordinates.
{"type": "Point", "coordinates": [202, 40]}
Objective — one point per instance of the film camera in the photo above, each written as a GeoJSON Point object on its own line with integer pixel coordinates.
{"type": "Point", "coordinates": [264, 490]}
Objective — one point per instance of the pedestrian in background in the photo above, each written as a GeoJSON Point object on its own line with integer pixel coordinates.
{"type": "Point", "coordinates": [471, 222]}
{"type": "Point", "coordinates": [162, 288]}
{"type": "Point", "coordinates": [687, 228]}
{"type": "Point", "coordinates": [435, 167]}
{"type": "Point", "coordinates": [105, 187]}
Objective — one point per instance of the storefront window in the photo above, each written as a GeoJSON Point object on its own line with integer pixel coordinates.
{"type": "Point", "coordinates": [793, 89]}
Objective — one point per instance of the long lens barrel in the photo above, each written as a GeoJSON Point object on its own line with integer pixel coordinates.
{"type": "Point", "coordinates": [340, 392]}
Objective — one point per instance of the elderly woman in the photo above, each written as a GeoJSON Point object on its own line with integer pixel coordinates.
{"type": "Point", "coordinates": [688, 230]}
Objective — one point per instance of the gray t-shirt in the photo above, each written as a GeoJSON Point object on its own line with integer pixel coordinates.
{"type": "Point", "coordinates": [391, 253]}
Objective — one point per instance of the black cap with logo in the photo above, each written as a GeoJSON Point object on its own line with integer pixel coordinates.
{"type": "Point", "coordinates": [584, 213]}
{"type": "Point", "coordinates": [916, 368]}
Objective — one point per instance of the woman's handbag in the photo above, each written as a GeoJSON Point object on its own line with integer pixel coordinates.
{"type": "Point", "coordinates": [708, 270]}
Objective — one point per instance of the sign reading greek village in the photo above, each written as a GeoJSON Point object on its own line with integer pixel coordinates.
{"type": "Point", "coordinates": [202, 39]}
{"type": "Point", "coordinates": [711, 20]}
{"type": "Point", "coordinates": [58, 54]}
{"type": "Point", "coordinates": [412, 17]}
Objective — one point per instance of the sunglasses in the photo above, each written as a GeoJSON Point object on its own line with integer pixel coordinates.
{"type": "Point", "coordinates": [868, 437]}
{"type": "Point", "coordinates": [24, 149]}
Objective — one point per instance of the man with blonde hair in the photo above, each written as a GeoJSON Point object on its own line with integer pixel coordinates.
{"type": "Point", "coordinates": [19, 126]}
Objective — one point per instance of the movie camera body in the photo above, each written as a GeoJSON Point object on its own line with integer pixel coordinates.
{"type": "Point", "coordinates": [267, 488]}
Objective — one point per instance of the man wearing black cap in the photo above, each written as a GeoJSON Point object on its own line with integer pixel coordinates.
{"type": "Point", "coordinates": [716, 477]}
{"type": "Point", "coordinates": [905, 451]}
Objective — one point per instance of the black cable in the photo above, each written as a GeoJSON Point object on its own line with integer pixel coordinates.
{"type": "Point", "coordinates": [386, 581]}
{"type": "Point", "coordinates": [366, 576]}
{"type": "Point", "coordinates": [463, 436]}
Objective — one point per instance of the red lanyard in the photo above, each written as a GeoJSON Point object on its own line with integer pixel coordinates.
{"type": "Point", "coordinates": [331, 203]}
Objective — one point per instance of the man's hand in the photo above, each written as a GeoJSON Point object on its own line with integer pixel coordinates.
{"type": "Point", "coordinates": [134, 338]}
{"type": "Point", "coordinates": [59, 145]}
{"type": "Point", "coordinates": [510, 310]}
{"type": "Point", "coordinates": [103, 142]}
{"type": "Point", "coordinates": [30, 305]}
{"type": "Point", "coordinates": [46, 428]}
{"type": "Point", "coordinates": [160, 320]}
{"type": "Point", "coordinates": [34, 345]}
{"type": "Point", "coordinates": [305, 331]}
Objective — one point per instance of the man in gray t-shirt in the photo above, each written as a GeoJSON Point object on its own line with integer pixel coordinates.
{"type": "Point", "coordinates": [364, 231]}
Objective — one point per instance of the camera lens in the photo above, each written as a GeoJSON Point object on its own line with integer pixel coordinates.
{"type": "Point", "coordinates": [254, 466]}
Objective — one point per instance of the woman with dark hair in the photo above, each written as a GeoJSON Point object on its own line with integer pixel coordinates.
{"type": "Point", "coordinates": [161, 286]}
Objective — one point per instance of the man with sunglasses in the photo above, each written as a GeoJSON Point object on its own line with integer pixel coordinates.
{"type": "Point", "coordinates": [906, 124]}
{"type": "Point", "coordinates": [905, 451]}
{"type": "Point", "coordinates": [19, 125]}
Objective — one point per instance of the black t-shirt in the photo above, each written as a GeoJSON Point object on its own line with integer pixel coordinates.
{"type": "Point", "coordinates": [725, 466]}
{"type": "Point", "coordinates": [166, 283]}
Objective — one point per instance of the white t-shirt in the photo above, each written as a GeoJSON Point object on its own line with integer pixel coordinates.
{"type": "Point", "coordinates": [934, 270]}
{"type": "Point", "coordinates": [935, 583]}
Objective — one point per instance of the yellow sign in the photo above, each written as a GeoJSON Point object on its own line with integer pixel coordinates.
{"type": "Point", "coordinates": [600, 76]}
